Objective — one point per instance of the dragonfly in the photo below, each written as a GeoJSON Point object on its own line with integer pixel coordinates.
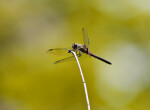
{"type": "Point", "coordinates": [78, 48]}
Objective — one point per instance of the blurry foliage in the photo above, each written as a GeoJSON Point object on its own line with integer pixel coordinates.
{"type": "Point", "coordinates": [29, 80]}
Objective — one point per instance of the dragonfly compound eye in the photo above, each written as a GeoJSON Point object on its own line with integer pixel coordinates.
{"type": "Point", "coordinates": [74, 46]}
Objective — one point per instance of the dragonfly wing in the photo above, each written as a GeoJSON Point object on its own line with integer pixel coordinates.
{"type": "Point", "coordinates": [61, 52]}
{"type": "Point", "coordinates": [86, 39]}
{"type": "Point", "coordinates": [65, 60]}
{"type": "Point", "coordinates": [58, 51]}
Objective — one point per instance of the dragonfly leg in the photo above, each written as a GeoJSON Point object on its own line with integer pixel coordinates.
{"type": "Point", "coordinates": [80, 53]}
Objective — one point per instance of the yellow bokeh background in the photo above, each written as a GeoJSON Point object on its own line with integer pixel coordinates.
{"type": "Point", "coordinates": [119, 31]}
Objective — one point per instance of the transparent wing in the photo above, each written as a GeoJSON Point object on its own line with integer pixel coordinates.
{"type": "Point", "coordinates": [58, 51]}
{"type": "Point", "coordinates": [65, 60]}
{"type": "Point", "coordinates": [86, 39]}
{"type": "Point", "coordinates": [62, 52]}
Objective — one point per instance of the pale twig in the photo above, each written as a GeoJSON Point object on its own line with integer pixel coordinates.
{"type": "Point", "coordinates": [85, 88]}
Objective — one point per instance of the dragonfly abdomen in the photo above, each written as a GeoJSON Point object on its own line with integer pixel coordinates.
{"type": "Point", "coordinates": [95, 56]}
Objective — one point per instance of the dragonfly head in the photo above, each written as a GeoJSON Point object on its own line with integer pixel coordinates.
{"type": "Point", "coordinates": [74, 46]}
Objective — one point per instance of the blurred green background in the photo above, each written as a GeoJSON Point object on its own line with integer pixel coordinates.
{"type": "Point", "coordinates": [119, 31]}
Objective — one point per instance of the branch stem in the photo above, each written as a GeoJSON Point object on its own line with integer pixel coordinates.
{"type": "Point", "coordinates": [84, 83]}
